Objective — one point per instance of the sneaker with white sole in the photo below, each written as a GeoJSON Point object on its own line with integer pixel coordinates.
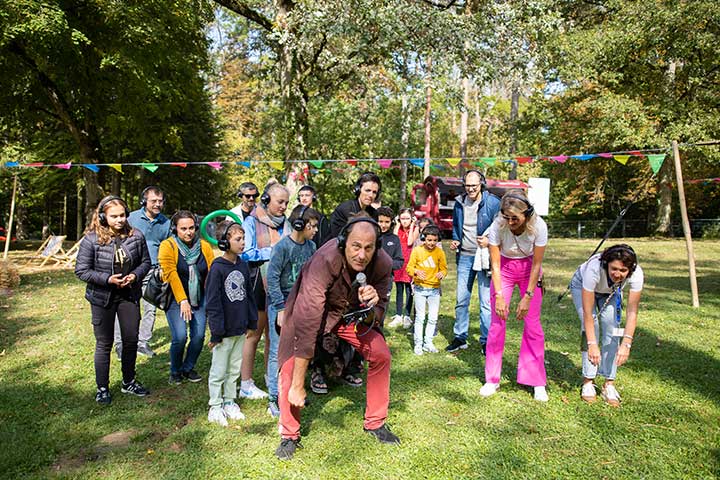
{"type": "Point", "coordinates": [588, 393]}
{"type": "Point", "coordinates": [430, 348]}
{"type": "Point", "coordinates": [397, 322]}
{"type": "Point", "coordinates": [273, 410]}
{"type": "Point", "coordinates": [250, 391]}
{"type": "Point", "coordinates": [541, 394]}
{"type": "Point", "coordinates": [407, 321]}
{"type": "Point", "coordinates": [611, 395]}
{"type": "Point", "coordinates": [489, 389]}
{"type": "Point", "coordinates": [217, 415]}
{"type": "Point", "coordinates": [232, 411]}
{"type": "Point", "coordinates": [418, 349]}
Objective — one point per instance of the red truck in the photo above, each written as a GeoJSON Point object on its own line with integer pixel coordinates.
{"type": "Point", "coordinates": [435, 197]}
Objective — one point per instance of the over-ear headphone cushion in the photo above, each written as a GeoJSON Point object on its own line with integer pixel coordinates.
{"type": "Point", "coordinates": [342, 236]}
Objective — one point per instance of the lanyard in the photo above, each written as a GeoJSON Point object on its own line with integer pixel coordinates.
{"type": "Point", "coordinates": [618, 305]}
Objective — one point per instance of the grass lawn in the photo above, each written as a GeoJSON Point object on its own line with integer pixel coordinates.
{"type": "Point", "coordinates": [667, 427]}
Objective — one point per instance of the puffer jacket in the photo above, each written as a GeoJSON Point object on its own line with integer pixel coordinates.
{"type": "Point", "coordinates": [95, 264]}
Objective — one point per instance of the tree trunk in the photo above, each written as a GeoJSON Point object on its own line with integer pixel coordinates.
{"type": "Point", "coordinates": [514, 107]}
{"type": "Point", "coordinates": [664, 199]}
{"type": "Point", "coordinates": [464, 119]}
{"type": "Point", "coordinates": [79, 228]}
{"type": "Point", "coordinates": [428, 99]}
{"type": "Point", "coordinates": [405, 140]}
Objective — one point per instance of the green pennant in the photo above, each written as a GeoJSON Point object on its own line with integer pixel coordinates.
{"type": "Point", "coordinates": [150, 166]}
{"type": "Point", "coordinates": [656, 162]}
{"type": "Point", "coordinates": [316, 163]}
{"type": "Point", "coordinates": [489, 161]}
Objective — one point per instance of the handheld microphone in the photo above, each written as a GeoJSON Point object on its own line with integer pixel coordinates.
{"type": "Point", "coordinates": [361, 279]}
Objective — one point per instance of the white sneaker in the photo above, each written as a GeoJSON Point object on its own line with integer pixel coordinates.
{"type": "Point", "coordinates": [588, 393]}
{"type": "Point", "coordinates": [418, 349]}
{"type": "Point", "coordinates": [232, 411]}
{"type": "Point", "coordinates": [430, 348]}
{"type": "Point", "coordinates": [541, 394]}
{"type": "Point", "coordinates": [251, 392]}
{"type": "Point", "coordinates": [489, 389]}
{"type": "Point", "coordinates": [407, 322]}
{"type": "Point", "coordinates": [397, 321]}
{"type": "Point", "coordinates": [217, 415]}
{"type": "Point", "coordinates": [611, 395]}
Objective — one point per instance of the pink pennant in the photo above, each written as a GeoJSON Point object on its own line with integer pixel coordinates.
{"type": "Point", "coordinates": [605, 155]}
{"type": "Point", "coordinates": [215, 165]}
{"type": "Point", "coordinates": [384, 163]}
{"type": "Point", "coordinates": [64, 166]}
{"type": "Point", "coordinates": [559, 158]}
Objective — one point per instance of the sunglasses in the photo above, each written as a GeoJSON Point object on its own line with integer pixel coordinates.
{"type": "Point", "coordinates": [251, 195]}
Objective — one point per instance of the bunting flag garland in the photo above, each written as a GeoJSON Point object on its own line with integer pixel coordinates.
{"type": "Point", "coordinates": [605, 155]}
{"type": "Point", "coordinates": [559, 158]}
{"type": "Point", "coordinates": [704, 181]}
{"type": "Point", "coordinates": [179, 164]}
{"type": "Point", "coordinates": [116, 166]}
{"type": "Point", "coordinates": [454, 161]}
{"type": "Point", "coordinates": [351, 162]}
{"type": "Point", "coordinates": [244, 164]}
{"type": "Point", "coordinates": [656, 162]}
{"type": "Point", "coordinates": [12, 164]}
{"type": "Point", "coordinates": [489, 161]}
{"type": "Point", "coordinates": [384, 162]}
{"type": "Point", "coordinates": [583, 157]}
{"type": "Point", "coordinates": [524, 159]}
{"type": "Point", "coordinates": [418, 162]}
{"type": "Point", "coordinates": [91, 167]}
{"type": "Point", "coordinates": [150, 166]}
{"type": "Point", "coordinates": [64, 166]}
{"type": "Point", "coordinates": [621, 158]}
{"type": "Point", "coordinates": [277, 164]}
{"type": "Point", "coordinates": [316, 163]}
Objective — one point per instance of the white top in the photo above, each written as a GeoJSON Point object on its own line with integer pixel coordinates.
{"type": "Point", "coordinates": [518, 246]}
{"type": "Point", "coordinates": [595, 279]}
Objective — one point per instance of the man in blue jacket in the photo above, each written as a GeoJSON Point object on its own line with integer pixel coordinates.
{"type": "Point", "coordinates": [472, 215]}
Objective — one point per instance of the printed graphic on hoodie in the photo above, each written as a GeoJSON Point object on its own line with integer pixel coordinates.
{"type": "Point", "coordinates": [235, 286]}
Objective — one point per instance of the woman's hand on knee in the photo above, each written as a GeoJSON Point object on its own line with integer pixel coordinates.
{"type": "Point", "coordinates": [594, 354]}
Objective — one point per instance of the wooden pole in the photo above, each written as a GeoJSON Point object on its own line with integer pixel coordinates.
{"type": "Point", "coordinates": [686, 225]}
{"type": "Point", "coordinates": [8, 233]}
{"type": "Point", "coordinates": [428, 99]}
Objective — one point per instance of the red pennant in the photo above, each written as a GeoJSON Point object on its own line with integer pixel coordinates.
{"type": "Point", "coordinates": [524, 159]}
{"type": "Point", "coordinates": [352, 162]}
{"type": "Point", "coordinates": [178, 164]}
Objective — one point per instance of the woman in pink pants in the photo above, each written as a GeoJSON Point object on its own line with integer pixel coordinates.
{"type": "Point", "coordinates": [517, 240]}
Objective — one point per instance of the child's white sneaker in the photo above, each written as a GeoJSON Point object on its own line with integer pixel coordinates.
{"type": "Point", "coordinates": [541, 394]}
{"type": "Point", "coordinates": [249, 390]}
{"type": "Point", "coordinates": [489, 389]}
{"type": "Point", "coordinates": [232, 411]}
{"type": "Point", "coordinates": [407, 322]}
{"type": "Point", "coordinates": [418, 349]}
{"type": "Point", "coordinates": [397, 321]}
{"type": "Point", "coordinates": [430, 348]}
{"type": "Point", "coordinates": [217, 415]}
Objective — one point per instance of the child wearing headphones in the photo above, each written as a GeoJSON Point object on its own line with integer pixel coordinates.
{"type": "Point", "coordinates": [231, 312]}
{"type": "Point", "coordinates": [392, 245]}
{"type": "Point", "coordinates": [286, 260]}
{"type": "Point", "coordinates": [113, 259]}
{"type": "Point", "coordinates": [596, 289]}
{"type": "Point", "coordinates": [427, 267]}
{"type": "Point", "coordinates": [517, 239]}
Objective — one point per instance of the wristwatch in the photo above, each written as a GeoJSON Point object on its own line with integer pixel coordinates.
{"type": "Point", "coordinates": [529, 293]}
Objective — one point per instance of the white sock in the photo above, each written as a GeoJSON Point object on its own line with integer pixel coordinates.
{"type": "Point", "coordinates": [244, 384]}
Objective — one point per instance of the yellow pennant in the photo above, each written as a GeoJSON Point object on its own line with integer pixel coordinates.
{"type": "Point", "coordinates": [621, 158]}
{"type": "Point", "coordinates": [453, 161]}
{"type": "Point", "coordinates": [277, 164]}
{"type": "Point", "coordinates": [116, 166]}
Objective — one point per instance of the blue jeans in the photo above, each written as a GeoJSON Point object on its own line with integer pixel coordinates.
{"type": "Point", "coordinates": [426, 299]}
{"type": "Point", "coordinates": [178, 330]}
{"type": "Point", "coordinates": [605, 322]}
{"type": "Point", "coordinates": [272, 366]}
{"type": "Point", "coordinates": [465, 280]}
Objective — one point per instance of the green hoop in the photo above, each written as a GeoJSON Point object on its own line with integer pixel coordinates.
{"type": "Point", "coordinates": [210, 216]}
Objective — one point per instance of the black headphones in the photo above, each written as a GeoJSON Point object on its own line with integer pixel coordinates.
{"type": "Point", "coordinates": [606, 256]}
{"type": "Point", "coordinates": [102, 218]}
{"type": "Point", "coordinates": [342, 236]}
{"type": "Point", "coordinates": [224, 242]}
{"type": "Point", "coordinates": [425, 232]}
{"type": "Point", "coordinates": [483, 182]}
{"type": "Point", "coordinates": [530, 209]}
{"type": "Point", "coordinates": [143, 195]}
{"type": "Point", "coordinates": [364, 178]}
{"type": "Point", "coordinates": [299, 223]}
{"type": "Point", "coordinates": [174, 219]}
{"type": "Point", "coordinates": [311, 188]}
{"type": "Point", "coordinates": [265, 198]}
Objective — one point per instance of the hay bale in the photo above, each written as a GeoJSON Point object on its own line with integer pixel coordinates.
{"type": "Point", "coordinates": [9, 277]}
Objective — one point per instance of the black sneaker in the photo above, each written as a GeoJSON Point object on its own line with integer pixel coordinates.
{"type": "Point", "coordinates": [483, 349]}
{"type": "Point", "coordinates": [456, 345]}
{"type": "Point", "coordinates": [192, 376]}
{"type": "Point", "coordinates": [175, 379]}
{"type": "Point", "coordinates": [103, 396]}
{"type": "Point", "coordinates": [145, 350]}
{"type": "Point", "coordinates": [136, 388]}
{"type": "Point", "coordinates": [287, 448]}
{"type": "Point", "coordinates": [384, 435]}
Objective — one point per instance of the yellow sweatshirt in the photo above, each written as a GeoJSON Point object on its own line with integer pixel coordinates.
{"type": "Point", "coordinates": [429, 261]}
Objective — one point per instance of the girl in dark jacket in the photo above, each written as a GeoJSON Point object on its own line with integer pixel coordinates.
{"type": "Point", "coordinates": [113, 259]}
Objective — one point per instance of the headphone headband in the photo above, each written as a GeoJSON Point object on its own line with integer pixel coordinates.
{"type": "Point", "coordinates": [620, 247]}
{"type": "Point", "coordinates": [342, 236]}
{"type": "Point", "coordinates": [224, 242]}
{"type": "Point", "coordinates": [529, 210]}
{"type": "Point", "coordinates": [299, 223]}
{"type": "Point", "coordinates": [143, 195]}
{"type": "Point", "coordinates": [174, 221]}
{"type": "Point", "coordinates": [102, 218]}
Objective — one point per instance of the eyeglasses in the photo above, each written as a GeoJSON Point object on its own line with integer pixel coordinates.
{"type": "Point", "coordinates": [251, 195]}
{"type": "Point", "coordinates": [511, 219]}
{"type": "Point", "coordinates": [472, 187]}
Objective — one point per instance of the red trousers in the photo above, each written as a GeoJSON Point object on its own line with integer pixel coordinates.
{"type": "Point", "coordinates": [374, 349]}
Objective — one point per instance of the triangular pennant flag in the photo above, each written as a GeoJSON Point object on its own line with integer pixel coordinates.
{"type": "Point", "coordinates": [559, 158]}
{"type": "Point", "coordinates": [64, 166]}
{"type": "Point", "coordinates": [244, 164]}
{"type": "Point", "coordinates": [453, 161]}
{"type": "Point", "coordinates": [436, 167]}
{"type": "Point", "coordinates": [418, 162]}
{"type": "Point", "coordinates": [384, 162]}
{"type": "Point", "coordinates": [178, 164]}
{"type": "Point", "coordinates": [316, 163]}
{"type": "Point", "coordinates": [150, 166]}
{"type": "Point", "coordinates": [116, 166]}
{"type": "Point", "coordinates": [524, 159]}
{"type": "Point", "coordinates": [637, 153]}
{"type": "Point", "coordinates": [215, 165]}
{"type": "Point", "coordinates": [489, 161]}
{"type": "Point", "coordinates": [621, 158]}
{"type": "Point", "coordinates": [276, 164]}
{"type": "Point", "coordinates": [583, 157]}
{"type": "Point", "coordinates": [91, 167]}
{"type": "Point", "coordinates": [33, 165]}
{"type": "Point", "coordinates": [12, 164]}
{"type": "Point", "coordinates": [656, 162]}
{"type": "Point", "coordinates": [605, 155]}
{"type": "Point", "coordinates": [351, 162]}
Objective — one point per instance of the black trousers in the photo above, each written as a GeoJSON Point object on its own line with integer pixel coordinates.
{"type": "Point", "coordinates": [103, 320]}
{"type": "Point", "coordinates": [402, 290]}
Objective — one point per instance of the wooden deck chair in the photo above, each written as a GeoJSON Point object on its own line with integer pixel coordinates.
{"type": "Point", "coordinates": [50, 248]}
{"type": "Point", "coordinates": [68, 259]}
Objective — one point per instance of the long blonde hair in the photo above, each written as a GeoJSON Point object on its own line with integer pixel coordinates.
{"type": "Point", "coordinates": [515, 202]}
{"type": "Point", "coordinates": [104, 233]}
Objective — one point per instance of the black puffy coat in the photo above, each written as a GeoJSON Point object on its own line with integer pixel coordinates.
{"type": "Point", "coordinates": [95, 263]}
